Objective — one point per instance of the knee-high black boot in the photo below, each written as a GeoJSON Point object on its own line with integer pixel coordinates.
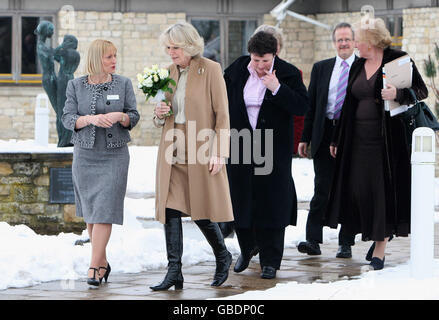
{"type": "Point", "coordinates": [223, 257]}
{"type": "Point", "coordinates": [174, 249]}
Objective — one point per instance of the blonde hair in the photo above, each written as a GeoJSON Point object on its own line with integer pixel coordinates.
{"type": "Point", "coordinates": [274, 31]}
{"type": "Point", "coordinates": [185, 36]}
{"type": "Point", "coordinates": [373, 31]}
{"type": "Point", "coordinates": [98, 48]}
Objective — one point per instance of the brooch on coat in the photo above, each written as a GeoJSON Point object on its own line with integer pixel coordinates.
{"type": "Point", "coordinates": [200, 70]}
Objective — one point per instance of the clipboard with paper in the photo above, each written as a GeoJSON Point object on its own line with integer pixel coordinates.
{"type": "Point", "coordinates": [399, 74]}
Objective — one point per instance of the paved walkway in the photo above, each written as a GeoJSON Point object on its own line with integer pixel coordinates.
{"type": "Point", "coordinates": [295, 267]}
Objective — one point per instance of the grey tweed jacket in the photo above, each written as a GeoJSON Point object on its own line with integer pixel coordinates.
{"type": "Point", "coordinates": [82, 99]}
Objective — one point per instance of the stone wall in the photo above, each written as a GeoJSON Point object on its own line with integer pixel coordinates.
{"type": "Point", "coordinates": [17, 113]}
{"type": "Point", "coordinates": [298, 43]}
{"type": "Point", "coordinates": [24, 193]}
{"type": "Point", "coordinates": [421, 32]}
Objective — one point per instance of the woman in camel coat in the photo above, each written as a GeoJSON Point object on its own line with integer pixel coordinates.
{"type": "Point", "coordinates": [191, 179]}
{"type": "Point", "coordinates": [207, 98]}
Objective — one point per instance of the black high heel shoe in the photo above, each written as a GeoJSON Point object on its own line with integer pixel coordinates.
{"type": "Point", "coordinates": [377, 263]}
{"type": "Point", "coordinates": [372, 248]}
{"type": "Point", "coordinates": [94, 281]}
{"type": "Point", "coordinates": [107, 273]}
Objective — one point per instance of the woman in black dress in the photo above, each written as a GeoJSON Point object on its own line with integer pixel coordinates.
{"type": "Point", "coordinates": [371, 188]}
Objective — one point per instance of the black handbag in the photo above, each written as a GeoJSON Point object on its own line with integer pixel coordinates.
{"type": "Point", "coordinates": [417, 116]}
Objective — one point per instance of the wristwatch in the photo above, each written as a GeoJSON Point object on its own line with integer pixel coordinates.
{"type": "Point", "coordinates": [123, 117]}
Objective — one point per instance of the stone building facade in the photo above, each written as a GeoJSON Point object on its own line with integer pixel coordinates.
{"type": "Point", "coordinates": [136, 36]}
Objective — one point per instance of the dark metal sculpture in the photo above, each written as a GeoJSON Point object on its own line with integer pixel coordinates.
{"type": "Point", "coordinates": [55, 86]}
{"type": "Point", "coordinates": [68, 59]}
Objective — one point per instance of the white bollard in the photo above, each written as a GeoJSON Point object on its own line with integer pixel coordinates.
{"type": "Point", "coordinates": [42, 120]}
{"type": "Point", "coordinates": [422, 203]}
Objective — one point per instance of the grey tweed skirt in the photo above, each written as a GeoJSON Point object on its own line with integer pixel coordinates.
{"type": "Point", "coordinates": [100, 182]}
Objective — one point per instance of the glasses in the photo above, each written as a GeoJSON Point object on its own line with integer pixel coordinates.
{"type": "Point", "coordinates": [347, 40]}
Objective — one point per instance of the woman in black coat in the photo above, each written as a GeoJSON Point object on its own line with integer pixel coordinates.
{"type": "Point", "coordinates": [371, 188]}
{"type": "Point", "coordinates": [264, 93]}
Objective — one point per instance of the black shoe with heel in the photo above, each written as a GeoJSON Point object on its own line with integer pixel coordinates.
{"type": "Point", "coordinates": [107, 273]}
{"type": "Point", "coordinates": [174, 277]}
{"type": "Point", "coordinates": [372, 248]}
{"type": "Point", "coordinates": [94, 281]}
{"type": "Point", "coordinates": [377, 263]}
{"type": "Point", "coordinates": [174, 250]}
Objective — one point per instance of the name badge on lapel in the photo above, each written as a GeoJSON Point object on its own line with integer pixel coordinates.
{"type": "Point", "coordinates": [113, 97]}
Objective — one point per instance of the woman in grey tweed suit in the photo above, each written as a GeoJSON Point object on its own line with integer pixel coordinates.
{"type": "Point", "coordinates": [100, 109]}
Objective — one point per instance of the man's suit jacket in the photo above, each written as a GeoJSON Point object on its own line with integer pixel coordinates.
{"type": "Point", "coordinates": [314, 125]}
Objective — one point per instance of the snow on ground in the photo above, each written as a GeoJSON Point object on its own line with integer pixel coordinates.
{"type": "Point", "coordinates": [24, 146]}
{"type": "Point", "coordinates": [33, 258]}
{"type": "Point", "coordinates": [139, 244]}
{"type": "Point", "coordinates": [141, 173]}
{"type": "Point", "coordinates": [387, 284]}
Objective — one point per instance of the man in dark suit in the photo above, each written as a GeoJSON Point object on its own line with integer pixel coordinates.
{"type": "Point", "coordinates": [328, 79]}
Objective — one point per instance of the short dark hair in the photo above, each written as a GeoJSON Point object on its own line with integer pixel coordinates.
{"type": "Point", "coordinates": [262, 43]}
{"type": "Point", "coordinates": [340, 26]}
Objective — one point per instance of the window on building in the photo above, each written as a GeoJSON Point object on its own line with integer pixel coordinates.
{"type": "Point", "coordinates": [225, 38]}
{"type": "Point", "coordinates": [5, 46]}
{"type": "Point", "coordinates": [394, 25]}
{"type": "Point", "coordinates": [18, 48]}
{"type": "Point", "coordinates": [210, 31]}
{"type": "Point", "coordinates": [239, 34]}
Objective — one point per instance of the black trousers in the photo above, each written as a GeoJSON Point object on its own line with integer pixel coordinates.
{"type": "Point", "coordinates": [270, 242]}
{"type": "Point", "coordinates": [324, 167]}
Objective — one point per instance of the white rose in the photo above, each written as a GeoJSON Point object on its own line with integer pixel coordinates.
{"type": "Point", "coordinates": [156, 78]}
{"type": "Point", "coordinates": [163, 73]}
{"type": "Point", "coordinates": [147, 83]}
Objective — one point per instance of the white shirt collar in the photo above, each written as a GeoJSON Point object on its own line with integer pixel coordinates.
{"type": "Point", "coordinates": [349, 60]}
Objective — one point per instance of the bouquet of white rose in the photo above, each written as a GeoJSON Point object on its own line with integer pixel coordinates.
{"type": "Point", "coordinates": [154, 82]}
